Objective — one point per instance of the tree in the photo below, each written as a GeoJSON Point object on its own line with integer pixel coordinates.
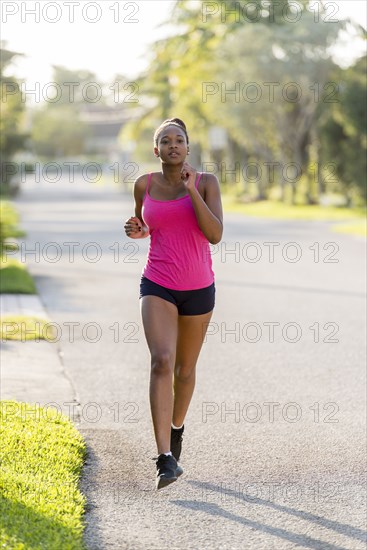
{"type": "Point", "coordinates": [57, 132]}
{"type": "Point", "coordinates": [76, 87]}
{"type": "Point", "coordinates": [223, 67]}
{"type": "Point", "coordinates": [343, 134]}
{"type": "Point", "coordinates": [12, 138]}
{"type": "Point", "coordinates": [276, 126]}
{"type": "Point", "coordinates": [56, 126]}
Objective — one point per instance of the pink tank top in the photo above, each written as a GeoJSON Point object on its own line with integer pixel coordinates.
{"type": "Point", "coordinates": [179, 256]}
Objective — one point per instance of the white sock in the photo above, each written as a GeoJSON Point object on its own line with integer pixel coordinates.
{"type": "Point", "coordinates": [168, 454]}
{"type": "Point", "coordinates": [175, 427]}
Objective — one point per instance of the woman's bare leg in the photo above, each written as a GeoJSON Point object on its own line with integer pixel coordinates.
{"type": "Point", "coordinates": [191, 333]}
{"type": "Point", "coordinates": [160, 321]}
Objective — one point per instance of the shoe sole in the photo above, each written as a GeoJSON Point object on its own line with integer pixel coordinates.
{"type": "Point", "coordinates": [163, 481]}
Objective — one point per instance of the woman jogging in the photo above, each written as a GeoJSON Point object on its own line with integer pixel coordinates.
{"type": "Point", "coordinates": [182, 212]}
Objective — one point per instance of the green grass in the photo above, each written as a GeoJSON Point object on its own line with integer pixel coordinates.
{"type": "Point", "coordinates": [14, 278]}
{"type": "Point", "coordinates": [9, 219]}
{"type": "Point", "coordinates": [42, 455]}
{"type": "Point", "coordinates": [25, 327]}
{"type": "Point", "coordinates": [358, 227]}
{"type": "Point", "coordinates": [279, 210]}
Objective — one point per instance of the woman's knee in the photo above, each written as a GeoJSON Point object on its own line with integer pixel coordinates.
{"type": "Point", "coordinates": [162, 363]}
{"type": "Point", "coordinates": [184, 374]}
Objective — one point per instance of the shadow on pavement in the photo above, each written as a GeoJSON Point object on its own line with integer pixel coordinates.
{"type": "Point", "coordinates": [92, 531]}
{"type": "Point", "coordinates": [302, 540]}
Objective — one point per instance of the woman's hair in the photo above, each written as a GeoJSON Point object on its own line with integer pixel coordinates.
{"type": "Point", "coordinates": [169, 122]}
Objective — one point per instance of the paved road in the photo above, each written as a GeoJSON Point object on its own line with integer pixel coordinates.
{"type": "Point", "coordinates": [273, 450]}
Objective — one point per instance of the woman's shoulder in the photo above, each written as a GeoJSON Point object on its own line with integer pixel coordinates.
{"type": "Point", "coordinates": [208, 182]}
{"type": "Point", "coordinates": [143, 179]}
{"type": "Point", "coordinates": [208, 178]}
{"type": "Point", "coordinates": [141, 183]}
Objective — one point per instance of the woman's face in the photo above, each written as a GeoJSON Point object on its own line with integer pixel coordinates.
{"type": "Point", "coordinates": [172, 147]}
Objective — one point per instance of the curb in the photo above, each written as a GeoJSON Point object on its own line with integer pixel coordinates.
{"type": "Point", "coordinates": [22, 304]}
{"type": "Point", "coordinates": [32, 370]}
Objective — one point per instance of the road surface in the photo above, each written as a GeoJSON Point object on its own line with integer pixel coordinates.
{"type": "Point", "coordinates": [273, 451]}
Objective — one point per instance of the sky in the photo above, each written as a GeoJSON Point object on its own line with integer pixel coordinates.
{"type": "Point", "coordinates": [110, 37]}
{"type": "Point", "coordinates": [116, 43]}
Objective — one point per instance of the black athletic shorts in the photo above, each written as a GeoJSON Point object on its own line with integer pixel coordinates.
{"type": "Point", "coordinates": [188, 302]}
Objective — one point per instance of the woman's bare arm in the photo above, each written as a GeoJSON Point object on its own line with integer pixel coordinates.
{"type": "Point", "coordinates": [209, 212]}
{"type": "Point", "coordinates": [135, 227]}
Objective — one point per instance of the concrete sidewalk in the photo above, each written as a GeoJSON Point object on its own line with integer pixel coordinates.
{"type": "Point", "coordinates": [32, 371]}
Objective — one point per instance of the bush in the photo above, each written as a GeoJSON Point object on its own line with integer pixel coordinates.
{"type": "Point", "coordinates": [9, 219]}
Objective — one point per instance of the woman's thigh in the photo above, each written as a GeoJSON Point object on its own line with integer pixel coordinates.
{"type": "Point", "coordinates": [191, 333]}
{"type": "Point", "coordinates": [160, 322]}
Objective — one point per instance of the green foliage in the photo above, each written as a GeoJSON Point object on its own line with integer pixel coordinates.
{"type": "Point", "coordinates": [9, 219]}
{"type": "Point", "coordinates": [12, 138]}
{"type": "Point", "coordinates": [343, 133]}
{"type": "Point", "coordinates": [55, 132]}
{"type": "Point", "coordinates": [226, 49]}
{"type": "Point", "coordinates": [56, 126]}
{"type": "Point", "coordinates": [278, 210]}
{"type": "Point", "coordinates": [15, 279]}
{"type": "Point", "coordinates": [60, 126]}
{"type": "Point", "coordinates": [74, 88]}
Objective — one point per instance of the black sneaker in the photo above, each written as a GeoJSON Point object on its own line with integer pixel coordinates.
{"type": "Point", "coordinates": [176, 442]}
{"type": "Point", "coordinates": [166, 470]}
